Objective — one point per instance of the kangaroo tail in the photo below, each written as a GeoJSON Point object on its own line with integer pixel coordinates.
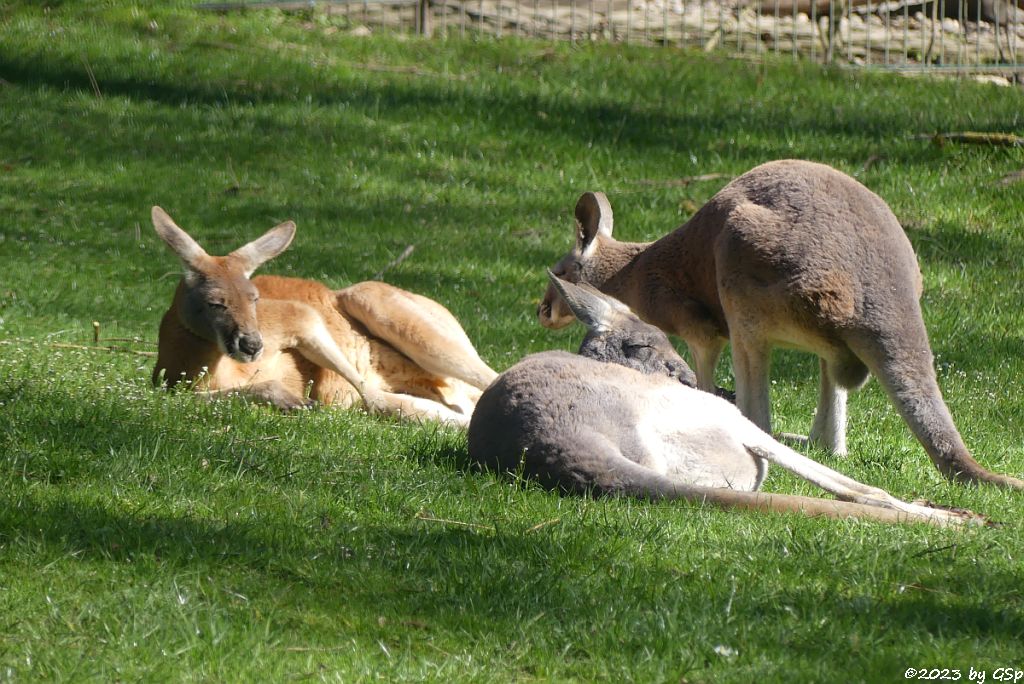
{"type": "Point", "coordinates": [907, 375]}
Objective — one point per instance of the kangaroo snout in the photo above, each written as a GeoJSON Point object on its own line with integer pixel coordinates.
{"type": "Point", "coordinates": [544, 312]}
{"type": "Point", "coordinates": [552, 312]}
{"type": "Point", "coordinates": [245, 348]}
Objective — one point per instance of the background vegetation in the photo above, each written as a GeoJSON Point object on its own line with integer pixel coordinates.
{"type": "Point", "coordinates": [147, 536]}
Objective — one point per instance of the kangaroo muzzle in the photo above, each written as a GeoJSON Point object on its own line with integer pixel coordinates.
{"type": "Point", "coordinates": [552, 313]}
{"type": "Point", "coordinates": [245, 348]}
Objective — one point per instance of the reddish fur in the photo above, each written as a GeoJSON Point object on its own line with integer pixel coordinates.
{"type": "Point", "coordinates": [284, 303]}
{"type": "Point", "coordinates": [281, 340]}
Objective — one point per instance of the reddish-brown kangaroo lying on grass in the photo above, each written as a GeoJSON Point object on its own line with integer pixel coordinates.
{"type": "Point", "coordinates": [625, 418]}
{"type": "Point", "coordinates": [791, 254]}
{"type": "Point", "coordinates": [289, 342]}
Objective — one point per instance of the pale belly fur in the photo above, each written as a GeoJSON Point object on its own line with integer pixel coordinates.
{"type": "Point", "coordinates": [696, 438]}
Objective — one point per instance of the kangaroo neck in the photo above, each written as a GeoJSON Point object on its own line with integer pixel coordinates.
{"type": "Point", "coordinates": [656, 278]}
{"type": "Point", "coordinates": [618, 260]}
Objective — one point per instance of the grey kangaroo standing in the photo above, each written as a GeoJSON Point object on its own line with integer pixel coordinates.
{"type": "Point", "coordinates": [792, 254]}
{"type": "Point", "coordinates": [624, 418]}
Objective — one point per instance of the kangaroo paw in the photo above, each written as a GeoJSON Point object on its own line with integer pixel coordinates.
{"type": "Point", "coordinates": [965, 514]}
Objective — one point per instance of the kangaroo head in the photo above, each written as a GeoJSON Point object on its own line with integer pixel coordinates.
{"type": "Point", "coordinates": [617, 335]}
{"type": "Point", "coordinates": [584, 263]}
{"type": "Point", "coordinates": [218, 300]}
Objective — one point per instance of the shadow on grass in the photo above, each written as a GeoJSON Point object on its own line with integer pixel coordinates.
{"type": "Point", "coordinates": [512, 112]}
{"type": "Point", "coordinates": [468, 582]}
{"type": "Point", "coordinates": [464, 581]}
{"type": "Point", "coordinates": [952, 244]}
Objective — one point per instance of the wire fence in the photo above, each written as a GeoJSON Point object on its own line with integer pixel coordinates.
{"type": "Point", "coordinates": [911, 35]}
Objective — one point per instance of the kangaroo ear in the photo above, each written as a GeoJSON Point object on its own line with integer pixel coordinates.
{"type": "Point", "coordinates": [187, 249]}
{"type": "Point", "coordinates": [272, 243]}
{"type": "Point", "coordinates": [593, 308]}
{"type": "Point", "coordinates": [593, 217]}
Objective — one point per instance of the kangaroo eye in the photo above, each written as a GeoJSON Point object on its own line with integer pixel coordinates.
{"type": "Point", "coordinates": [220, 306]}
{"type": "Point", "coordinates": [636, 349]}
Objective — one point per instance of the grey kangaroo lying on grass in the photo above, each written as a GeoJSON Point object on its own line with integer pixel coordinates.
{"type": "Point", "coordinates": [790, 254]}
{"type": "Point", "coordinates": [624, 418]}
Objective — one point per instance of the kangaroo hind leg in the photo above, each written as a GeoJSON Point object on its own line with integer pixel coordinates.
{"type": "Point", "coordinates": [850, 490]}
{"type": "Point", "coordinates": [751, 362]}
{"type": "Point", "coordinates": [625, 477]}
{"type": "Point", "coordinates": [837, 376]}
{"type": "Point", "coordinates": [418, 327]}
{"type": "Point", "coordinates": [417, 408]}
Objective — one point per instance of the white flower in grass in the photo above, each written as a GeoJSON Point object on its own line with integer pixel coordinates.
{"type": "Point", "coordinates": [726, 651]}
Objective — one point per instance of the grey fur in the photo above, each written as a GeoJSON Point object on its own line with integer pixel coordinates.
{"type": "Point", "coordinates": [637, 345]}
{"type": "Point", "coordinates": [627, 426]}
{"type": "Point", "coordinates": [791, 253]}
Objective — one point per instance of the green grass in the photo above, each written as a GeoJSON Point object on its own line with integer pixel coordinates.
{"type": "Point", "coordinates": [154, 537]}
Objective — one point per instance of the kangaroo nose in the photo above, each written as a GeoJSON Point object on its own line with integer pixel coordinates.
{"type": "Point", "coordinates": [250, 345]}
